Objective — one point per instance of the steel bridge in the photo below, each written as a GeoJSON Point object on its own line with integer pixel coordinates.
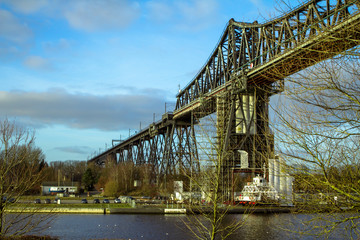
{"type": "Point", "coordinates": [247, 66]}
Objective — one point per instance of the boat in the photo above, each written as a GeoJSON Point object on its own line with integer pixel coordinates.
{"type": "Point", "coordinates": [257, 192]}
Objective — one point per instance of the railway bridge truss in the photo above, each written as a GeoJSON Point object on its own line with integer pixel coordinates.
{"type": "Point", "coordinates": [245, 69]}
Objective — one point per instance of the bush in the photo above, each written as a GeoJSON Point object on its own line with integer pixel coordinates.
{"type": "Point", "coordinates": [111, 189]}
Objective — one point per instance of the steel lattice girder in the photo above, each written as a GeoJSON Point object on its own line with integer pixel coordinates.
{"type": "Point", "coordinates": [169, 149]}
{"type": "Point", "coordinates": [249, 55]}
{"type": "Point", "coordinates": [271, 51]}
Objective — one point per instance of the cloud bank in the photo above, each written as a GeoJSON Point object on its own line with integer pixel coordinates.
{"type": "Point", "coordinates": [75, 149]}
{"type": "Point", "coordinates": [86, 15]}
{"type": "Point", "coordinates": [81, 111]}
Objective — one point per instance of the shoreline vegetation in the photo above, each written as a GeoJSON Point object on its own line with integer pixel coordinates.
{"type": "Point", "coordinates": [29, 237]}
{"type": "Point", "coordinates": [152, 209]}
{"type": "Point", "coordinates": [139, 210]}
{"type": "Point", "coordinates": [26, 205]}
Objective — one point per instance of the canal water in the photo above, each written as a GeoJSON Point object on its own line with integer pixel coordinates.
{"type": "Point", "coordinates": [150, 227]}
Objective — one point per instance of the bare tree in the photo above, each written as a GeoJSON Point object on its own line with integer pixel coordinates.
{"type": "Point", "coordinates": [209, 219]}
{"type": "Point", "coordinates": [118, 178]}
{"type": "Point", "coordinates": [21, 169]}
{"type": "Point", "coordinates": [316, 126]}
{"type": "Point", "coordinates": [318, 133]}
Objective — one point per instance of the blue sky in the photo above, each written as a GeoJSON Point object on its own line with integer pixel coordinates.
{"type": "Point", "coordinates": [84, 72]}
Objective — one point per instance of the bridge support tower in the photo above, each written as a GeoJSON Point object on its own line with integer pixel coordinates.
{"type": "Point", "coordinates": [243, 139]}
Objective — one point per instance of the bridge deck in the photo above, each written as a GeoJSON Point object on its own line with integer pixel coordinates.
{"type": "Point", "coordinates": [265, 54]}
{"type": "Point", "coordinates": [318, 48]}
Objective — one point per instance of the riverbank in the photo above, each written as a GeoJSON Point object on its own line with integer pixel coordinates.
{"type": "Point", "coordinates": [56, 210]}
{"type": "Point", "coordinates": [196, 211]}
{"type": "Point", "coordinates": [142, 210]}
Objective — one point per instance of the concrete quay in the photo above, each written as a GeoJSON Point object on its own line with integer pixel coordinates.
{"type": "Point", "coordinates": [145, 210]}
{"type": "Point", "coordinates": [251, 210]}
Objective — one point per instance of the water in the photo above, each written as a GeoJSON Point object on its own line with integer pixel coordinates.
{"type": "Point", "coordinates": [141, 227]}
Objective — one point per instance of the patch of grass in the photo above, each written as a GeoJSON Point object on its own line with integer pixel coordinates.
{"type": "Point", "coordinates": [92, 205]}
{"type": "Point", "coordinates": [29, 237]}
{"type": "Point", "coordinates": [88, 205]}
{"type": "Point", "coordinates": [65, 198]}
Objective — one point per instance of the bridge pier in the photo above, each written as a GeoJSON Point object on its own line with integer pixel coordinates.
{"type": "Point", "coordinates": [244, 142]}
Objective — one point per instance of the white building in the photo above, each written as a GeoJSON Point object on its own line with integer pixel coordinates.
{"type": "Point", "coordinates": [53, 188]}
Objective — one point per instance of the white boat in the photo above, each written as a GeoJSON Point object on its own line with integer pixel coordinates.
{"type": "Point", "coordinates": [258, 192]}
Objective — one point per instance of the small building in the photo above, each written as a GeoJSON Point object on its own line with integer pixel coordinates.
{"type": "Point", "coordinates": [54, 188]}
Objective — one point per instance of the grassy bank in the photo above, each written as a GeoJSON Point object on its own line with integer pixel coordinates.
{"type": "Point", "coordinates": [73, 205]}
{"type": "Point", "coordinates": [56, 210]}
{"type": "Point", "coordinates": [64, 208]}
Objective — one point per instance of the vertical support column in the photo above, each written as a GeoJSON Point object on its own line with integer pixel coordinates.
{"type": "Point", "coordinates": [225, 121]}
{"type": "Point", "coordinates": [167, 158]}
{"type": "Point", "coordinates": [243, 120]}
{"type": "Point", "coordinates": [112, 158]}
{"type": "Point", "coordinates": [271, 171]}
{"type": "Point", "coordinates": [194, 151]}
{"type": "Point", "coordinates": [121, 155]}
{"type": "Point", "coordinates": [246, 129]}
{"type": "Point", "coordinates": [277, 174]}
{"type": "Point", "coordinates": [282, 176]}
{"type": "Point", "coordinates": [232, 51]}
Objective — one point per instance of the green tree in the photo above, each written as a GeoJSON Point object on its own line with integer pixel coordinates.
{"type": "Point", "coordinates": [89, 179]}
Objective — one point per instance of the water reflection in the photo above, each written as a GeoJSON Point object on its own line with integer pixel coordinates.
{"type": "Point", "coordinates": [256, 226]}
{"type": "Point", "coordinates": [117, 227]}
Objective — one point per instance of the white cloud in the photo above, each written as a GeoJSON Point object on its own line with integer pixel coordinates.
{"type": "Point", "coordinates": [11, 29]}
{"type": "Point", "coordinates": [159, 11]}
{"type": "Point", "coordinates": [26, 6]}
{"type": "Point", "coordinates": [186, 15]}
{"type": "Point", "coordinates": [87, 15]}
{"type": "Point", "coordinates": [15, 36]}
{"type": "Point", "coordinates": [100, 15]}
{"type": "Point", "coordinates": [57, 46]}
{"type": "Point", "coordinates": [37, 63]}
{"type": "Point", "coordinates": [197, 9]}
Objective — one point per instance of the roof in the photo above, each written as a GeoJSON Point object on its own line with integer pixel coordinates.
{"type": "Point", "coordinates": [55, 184]}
